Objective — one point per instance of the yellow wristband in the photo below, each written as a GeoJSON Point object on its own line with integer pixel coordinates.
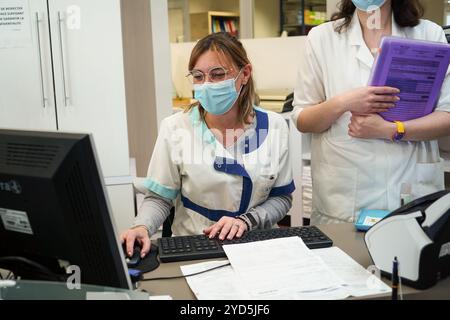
{"type": "Point", "coordinates": [400, 131]}
{"type": "Point", "coordinates": [400, 126]}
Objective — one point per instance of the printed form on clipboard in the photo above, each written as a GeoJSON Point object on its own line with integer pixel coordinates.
{"type": "Point", "coordinates": [417, 68]}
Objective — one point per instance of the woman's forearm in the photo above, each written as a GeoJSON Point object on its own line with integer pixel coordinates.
{"type": "Point", "coordinates": [431, 127]}
{"type": "Point", "coordinates": [319, 118]}
{"type": "Point", "coordinates": [364, 100]}
{"type": "Point", "coordinates": [267, 214]}
{"type": "Point", "coordinates": [153, 212]}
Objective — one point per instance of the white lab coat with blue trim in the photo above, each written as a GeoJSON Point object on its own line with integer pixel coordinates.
{"type": "Point", "coordinates": [205, 182]}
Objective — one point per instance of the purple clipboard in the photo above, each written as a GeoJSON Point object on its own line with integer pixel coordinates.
{"type": "Point", "coordinates": [417, 68]}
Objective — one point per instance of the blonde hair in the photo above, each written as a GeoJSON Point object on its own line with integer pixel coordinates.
{"type": "Point", "coordinates": [232, 49]}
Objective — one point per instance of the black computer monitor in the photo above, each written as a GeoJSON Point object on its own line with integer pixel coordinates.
{"type": "Point", "coordinates": [54, 210]}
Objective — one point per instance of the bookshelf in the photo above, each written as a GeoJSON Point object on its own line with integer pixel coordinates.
{"type": "Point", "coordinates": [300, 16]}
{"type": "Point", "coordinates": [205, 23]}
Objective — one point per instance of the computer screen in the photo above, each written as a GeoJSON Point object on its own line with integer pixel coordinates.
{"type": "Point", "coordinates": [54, 211]}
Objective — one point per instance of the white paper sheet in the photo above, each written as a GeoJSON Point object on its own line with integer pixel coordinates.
{"type": "Point", "coordinates": [160, 298]}
{"type": "Point", "coordinates": [357, 280]}
{"type": "Point", "coordinates": [283, 269]}
{"type": "Point", "coordinates": [219, 284]}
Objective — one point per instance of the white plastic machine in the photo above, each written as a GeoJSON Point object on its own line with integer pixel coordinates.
{"type": "Point", "coordinates": [418, 234]}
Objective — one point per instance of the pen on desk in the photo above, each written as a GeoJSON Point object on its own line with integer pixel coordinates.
{"type": "Point", "coordinates": [395, 279]}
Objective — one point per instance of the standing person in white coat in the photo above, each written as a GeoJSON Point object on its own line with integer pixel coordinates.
{"type": "Point", "coordinates": [359, 160]}
{"type": "Point", "coordinates": [224, 164]}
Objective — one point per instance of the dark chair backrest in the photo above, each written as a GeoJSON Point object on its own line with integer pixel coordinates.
{"type": "Point", "coordinates": [167, 226]}
{"type": "Point", "coordinates": [287, 105]}
{"type": "Point", "coordinates": [447, 32]}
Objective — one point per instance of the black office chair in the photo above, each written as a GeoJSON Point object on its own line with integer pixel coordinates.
{"type": "Point", "coordinates": [167, 225]}
{"type": "Point", "coordinates": [287, 106]}
{"type": "Point", "coordinates": [447, 32]}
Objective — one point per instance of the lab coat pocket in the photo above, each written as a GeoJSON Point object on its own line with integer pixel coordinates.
{"type": "Point", "coordinates": [334, 191]}
{"type": "Point", "coordinates": [429, 178]}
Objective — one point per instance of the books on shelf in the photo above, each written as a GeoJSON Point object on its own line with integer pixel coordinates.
{"type": "Point", "coordinates": [224, 24]}
{"type": "Point", "coordinates": [204, 23]}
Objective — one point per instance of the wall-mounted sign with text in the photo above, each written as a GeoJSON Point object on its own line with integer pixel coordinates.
{"type": "Point", "coordinates": [15, 24]}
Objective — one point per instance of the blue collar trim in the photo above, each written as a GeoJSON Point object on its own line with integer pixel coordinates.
{"type": "Point", "coordinates": [251, 144]}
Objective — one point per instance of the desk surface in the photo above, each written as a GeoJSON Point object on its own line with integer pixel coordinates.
{"type": "Point", "coordinates": [46, 290]}
{"type": "Point", "coordinates": [344, 236]}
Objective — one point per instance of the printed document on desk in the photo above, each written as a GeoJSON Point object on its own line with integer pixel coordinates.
{"type": "Point", "coordinates": [417, 68]}
{"type": "Point", "coordinates": [357, 281]}
{"type": "Point", "coordinates": [219, 284]}
{"type": "Point", "coordinates": [283, 269]}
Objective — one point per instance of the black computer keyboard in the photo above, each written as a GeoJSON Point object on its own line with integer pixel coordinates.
{"type": "Point", "coordinates": [201, 247]}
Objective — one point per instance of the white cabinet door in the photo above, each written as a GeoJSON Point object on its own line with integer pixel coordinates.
{"type": "Point", "coordinates": [89, 76]}
{"type": "Point", "coordinates": [26, 81]}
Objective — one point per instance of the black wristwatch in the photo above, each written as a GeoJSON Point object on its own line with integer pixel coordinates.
{"type": "Point", "coordinates": [249, 220]}
{"type": "Point", "coordinates": [245, 221]}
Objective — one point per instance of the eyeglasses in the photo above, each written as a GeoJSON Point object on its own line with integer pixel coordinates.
{"type": "Point", "coordinates": [215, 74]}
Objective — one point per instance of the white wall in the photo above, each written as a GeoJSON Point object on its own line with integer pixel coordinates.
{"type": "Point", "coordinates": [435, 10]}
{"type": "Point", "coordinates": [176, 27]}
{"type": "Point", "coordinates": [196, 6]}
{"type": "Point", "coordinates": [267, 19]}
{"type": "Point", "coordinates": [180, 10]}
{"type": "Point", "coordinates": [266, 16]}
{"type": "Point", "coordinates": [274, 69]}
{"type": "Point", "coordinates": [179, 30]}
{"type": "Point", "coordinates": [332, 7]}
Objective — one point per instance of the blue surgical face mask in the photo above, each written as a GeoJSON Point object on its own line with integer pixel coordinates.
{"type": "Point", "coordinates": [365, 5]}
{"type": "Point", "coordinates": [217, 98]}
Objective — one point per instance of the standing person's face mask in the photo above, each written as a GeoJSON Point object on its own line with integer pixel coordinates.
{"type": "Point", "coordinates": [365, 5]}
{"type": "Point", "coordinates": [217, 98]}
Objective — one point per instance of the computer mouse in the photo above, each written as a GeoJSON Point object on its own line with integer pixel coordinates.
{"type": "Point", "coordinates": [135, 258]}
{"type": "Point", "coordinates": [146, 264]}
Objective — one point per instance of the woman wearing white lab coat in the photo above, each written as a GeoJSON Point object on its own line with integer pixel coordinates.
{"type": "Point", "coordinates": [224, 164]}
{"type": "Point", "coordinates": [359, 160]}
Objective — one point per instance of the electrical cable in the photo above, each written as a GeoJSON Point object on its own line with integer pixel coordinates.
{"type": "Point", "coordinates": [188, 275]}
{"type": "Point", "coordinates": [42, 269]}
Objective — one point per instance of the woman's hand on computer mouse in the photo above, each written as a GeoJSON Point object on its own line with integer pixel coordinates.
{"type": "Point", "coordinates": [226, 227]}
{"type": "Point", "coordinates": [137, 234]}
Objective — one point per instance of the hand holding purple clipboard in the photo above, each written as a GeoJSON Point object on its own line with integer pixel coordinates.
{"type": "Point", "coordinates": [417, 68]}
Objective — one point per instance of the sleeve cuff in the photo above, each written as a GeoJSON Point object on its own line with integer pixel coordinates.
{"type": "Point", "coordinates": [143, 226]}
{"type": "Point", "coordinates": [161, 190]}
{"type": "Point", "coordinates": [443, 108]}
{"type": "Point", "coordinates": [296, 113]}
{"type": "Point", "coordinates": [250, 220]}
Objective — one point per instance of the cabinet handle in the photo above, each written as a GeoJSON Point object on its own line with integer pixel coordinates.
{"type": "Point", "coordinates": [41, 67]}
{"type": "Point", "coordinates": [63, 62]}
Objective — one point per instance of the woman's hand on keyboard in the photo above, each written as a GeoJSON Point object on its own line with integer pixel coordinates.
{"type": "Point", "coordinates": [226, 227]}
